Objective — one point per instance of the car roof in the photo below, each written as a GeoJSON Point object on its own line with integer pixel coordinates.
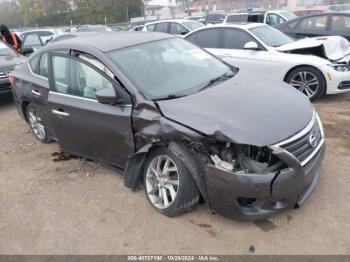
{"type": "Point", "coordinates": [167, 21]}
{"type": "Point", "coordinates": [322, 14]}
{"type": "Point", "coordinates": [110, 41]}
{"type": "Point", "coordinates": [244, 25]}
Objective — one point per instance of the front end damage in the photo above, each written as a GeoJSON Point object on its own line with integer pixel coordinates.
{"type": "Point", "coordinates": [246, 182]}
{"type": "Point", "coordinates": [253, 183]}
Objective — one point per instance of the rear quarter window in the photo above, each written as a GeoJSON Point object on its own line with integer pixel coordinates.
{"type": "Point", "coordinates": [237, 18]}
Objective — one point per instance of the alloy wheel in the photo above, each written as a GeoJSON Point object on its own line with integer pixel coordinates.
{"type": "Point", "coordinates": [305, 82]}
{"type": "Point", "coordinates": [162, 181]}
{"type": "Point", "coordinates": [36, 124]}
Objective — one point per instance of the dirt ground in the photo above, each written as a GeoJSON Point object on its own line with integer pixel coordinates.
{"type": "Point", "coordinates": [80, 207]}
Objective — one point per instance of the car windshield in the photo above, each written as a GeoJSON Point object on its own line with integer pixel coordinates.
{"type": "Point", "coordinates": [169, 68]}
{"type": "Point", "coordinates": [5, 50]}
{"type": "Point", "coordinates": [193, 25]}
{"type": "Point", "coordinates": [288, 15]}
{"type": "Point", "coordinates": [271, 36]}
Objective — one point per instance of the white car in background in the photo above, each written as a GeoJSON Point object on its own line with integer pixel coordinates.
{"type": "Point", "coordinates": [272, 18]}
{"type": "Point", "coordinates": [315, 66]}
{"type": "Point", "coordinates": [174, 26]}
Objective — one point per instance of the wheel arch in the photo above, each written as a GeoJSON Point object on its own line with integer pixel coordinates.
{"type": "Point", "coordinates": [133, 174]}
{"type": "Point", "coordinates": [303, 65]}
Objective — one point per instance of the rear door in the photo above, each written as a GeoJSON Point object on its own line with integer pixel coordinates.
{"type": "Point", "coordinates": [312, 26]}
{"type": "Point", "coordinates": [340, 25]}
{"type": "Point", "coordinates": [162, 27]}
{"type": "Point", "coordinates": [178, 29]}
{"type": "Point", "coordinates": [210, 39]}
{"type": "Point", "coordinates": [233, 51]}
{"type": "Point", "coordinates": [82, 125]}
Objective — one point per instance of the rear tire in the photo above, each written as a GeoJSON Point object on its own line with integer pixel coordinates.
{"type": "Point", "coordinates": [309, 81]}
{"type": "Point", "coordinates": [169, 186]}
{"type": "Point", "coordinates": [35, 123]}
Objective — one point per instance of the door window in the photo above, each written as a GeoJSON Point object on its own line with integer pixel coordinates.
{"type": "Point", "coordinates": [340, 23]}
{"type": "Point", "coordinates": [206, 38]}
{"type": "Point", "coordinates": [273, 19]}
{"type": "Point", "coordinates": [151, 27]}
{"type": "Point", "coordinates": [32, 41]}
{"type": "Point", "coordinates": [74, 77]}
{"type": "Point", "coordinates": [237, 18]}
{"type": "Point", "coordinates": [236, 39]}
{"type": "Point", "coordinates": [316, 23]}
{"type": "Point", "coordinates": [177, 29]}
{"type": "Point", "coordinates": [162, 27]}
{"type": "Point", "coordinates": [39, 65]}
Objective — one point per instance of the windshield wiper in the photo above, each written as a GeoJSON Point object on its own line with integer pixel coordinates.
{"type": "Point", "coordinates": [168, 97]}
{"type": "Point", "coordinates": [217, 79]}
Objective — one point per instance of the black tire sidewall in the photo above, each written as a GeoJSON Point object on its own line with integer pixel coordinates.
{"type": "Point", "coordinates": [187, 190]}
{"type": "Point", "coordinates": [322, 82]}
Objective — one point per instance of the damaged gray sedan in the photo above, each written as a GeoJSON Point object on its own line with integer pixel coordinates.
{"type": "Point", "coordinates": [177, 121]}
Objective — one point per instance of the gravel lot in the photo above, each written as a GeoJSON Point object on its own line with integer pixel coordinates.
{"type": "Point", "coordinates": [80, 207]}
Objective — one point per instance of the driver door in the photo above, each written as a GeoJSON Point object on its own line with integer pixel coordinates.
{"type": "Point", "coordinates": [82, 125]}
{"type": "Point", "coordinates": [233, 52]}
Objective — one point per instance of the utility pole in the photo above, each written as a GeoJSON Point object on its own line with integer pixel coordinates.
{"type": "Point", "coordinates": [127, 14]}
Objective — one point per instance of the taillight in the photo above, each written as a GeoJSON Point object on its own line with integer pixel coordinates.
{"type": "Point", "coordinates": [12, 77]}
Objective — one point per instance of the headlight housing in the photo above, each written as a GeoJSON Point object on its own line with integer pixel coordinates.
{"type": "Point", "coordinates": [340, 67]}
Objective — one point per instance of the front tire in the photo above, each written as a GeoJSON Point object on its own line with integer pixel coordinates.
{"type": "Point", "coordinates": [169, 186]}
{"type": "Point", "coordinates": [36, 125]}
{"type": "Point", "coordinates": [308, 80]}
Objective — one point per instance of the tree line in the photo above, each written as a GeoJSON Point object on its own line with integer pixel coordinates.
{"type": "Point", "coordinates": [32, 13]}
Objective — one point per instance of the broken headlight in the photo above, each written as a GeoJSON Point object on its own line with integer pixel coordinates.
{"type": "Point", "coordinates": [340, 67]}
{"type": "Point", "coordinates": [244, 158]}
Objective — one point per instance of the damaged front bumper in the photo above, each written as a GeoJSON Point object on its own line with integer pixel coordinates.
{"type": "Point", "coordinates": [258, 196]}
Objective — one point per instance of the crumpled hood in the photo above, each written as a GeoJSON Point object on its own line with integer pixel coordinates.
{"type": "Point", "coordinates": [247, 109]}
{"type": "Point", "coordinates": [333, 47]}
{"type": "Point", "coordinates": [8, 62]}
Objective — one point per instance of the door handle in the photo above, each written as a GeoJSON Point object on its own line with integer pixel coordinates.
{"type": "Point", "coordinates": [35, 92]}
{"type": "Point", "coordinates": [59, 113]}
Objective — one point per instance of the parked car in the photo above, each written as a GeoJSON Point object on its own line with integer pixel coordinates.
{"type": "Point", "coordinates": [35, 39]}
{"type": "Point", "coordinates": [9, 58]}
{"type": "Point", "coordinates": [72, 35]}
{"type": "Point", "coordinates": [309, 11]}
{"type": "Point", "coordinates": [134, 28]}
{"type": "Point", "coordinates": [116, 28]}
{"type": "Point", "coordinates": [196, 18]}
{"type": "Point", "coordinates": [94, 28]}
{"type": "Point", "coordinates": [315, 66]}
{"type": "Point", "coordinates": [215, 17]}
{"type": "Point", "coordinates": [339, 8]}
{"type": "Point", "coordinates": [174, 26]}
{"type": "Point", "coordinates": [45, 35]}
{"type": "Point", "coordinates": [177, 120]}
{"type": "Point", "coordinates": [269, 17]}
{"type": "Point", "coordinates": [318, 25]}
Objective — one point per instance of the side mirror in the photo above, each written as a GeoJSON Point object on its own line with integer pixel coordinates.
{"type": "Point", "coordinates": [49, 40]}
{"type": "Point", "coordinates": [106, 96]}
{"type": "Point", "coordinates": [251, 46]}
{"type": "Point", "coordinates": [184, 32]}
{"type": "Point", "coordinates": [222, 19]}
{"type": "Point", "coordinates": [27, 51]}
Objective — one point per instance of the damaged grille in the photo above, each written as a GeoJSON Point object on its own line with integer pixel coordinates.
{"type": "Point", "coordinates": [307, 143]}
{"type": "Point", "coordinates": [3, 75]}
